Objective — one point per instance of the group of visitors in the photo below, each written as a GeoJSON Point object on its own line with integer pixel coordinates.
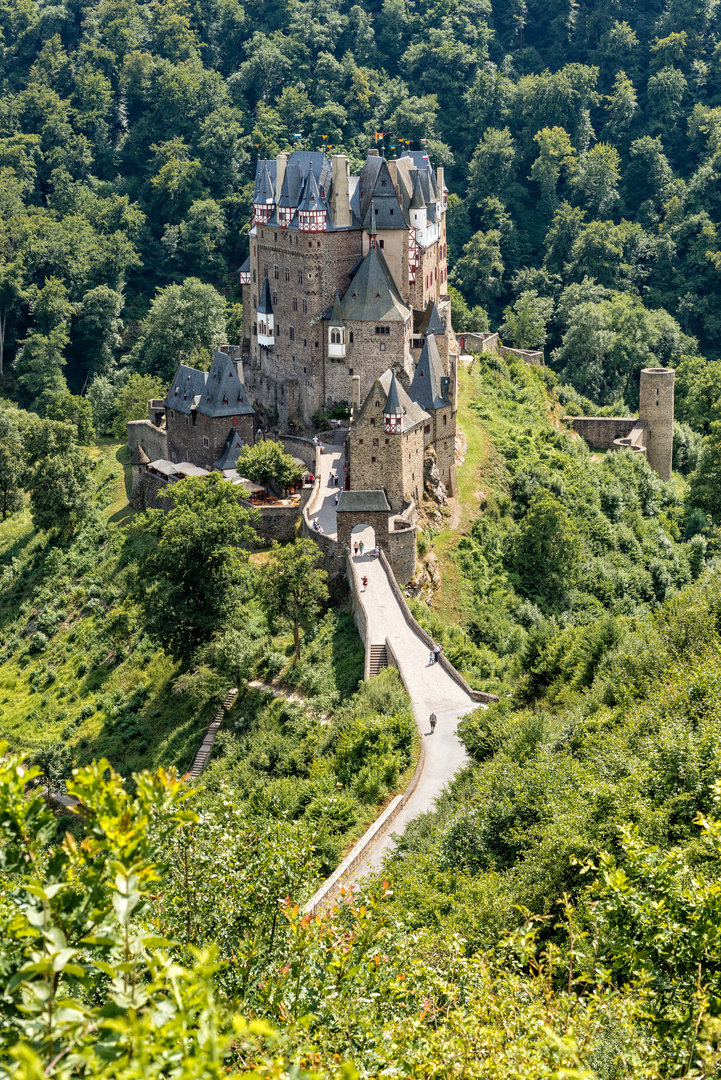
{"type": "Point", "coordinates": [333, 479]}
{"type": "Point", "coordinates": [317, 527]}
{"type": "Point", "coordinates": [358, 549]}
{"type": "Point", "coordinates": [435, 653]}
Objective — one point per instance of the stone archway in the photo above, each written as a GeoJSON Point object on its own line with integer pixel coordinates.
{"type": "Point", "coordinates": [365, 534]}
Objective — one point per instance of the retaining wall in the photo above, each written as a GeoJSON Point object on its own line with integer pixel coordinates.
{"type": "Point", "coordinates": [600, 432]}
{"type": "Point", "coordinates": [330, 888]}
{"type": "Point", "coordinates": [527, 355]}
{"type": "Point", "coordinates": [475, 695]}
{"type": "Point", "coordinates": [360, 615]}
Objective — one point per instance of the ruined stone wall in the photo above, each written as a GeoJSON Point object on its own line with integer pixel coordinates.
{"type": "Point", "coordinates": [154, 440]}
{"type": "Point", "coordinates": [600, 432]}
{"type": "Point", "coordinates": [481, 343]}
{"type": "Point", "coordinates": [529, 356]}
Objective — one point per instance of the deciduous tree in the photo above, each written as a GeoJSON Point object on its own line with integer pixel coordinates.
{"type": "Point", "coordinates": [291, 584]}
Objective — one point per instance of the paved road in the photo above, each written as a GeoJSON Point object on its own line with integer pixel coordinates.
{"type": "Point", "coordinates": [331, 461]}
{"type": "Point", "coordinates": [432, 690]}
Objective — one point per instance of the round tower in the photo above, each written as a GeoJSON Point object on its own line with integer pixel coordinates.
{"type": "Point", "coordinates": [656, 412]}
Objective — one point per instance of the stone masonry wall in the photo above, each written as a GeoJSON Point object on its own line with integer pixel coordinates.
{"type": "Point", "coordinates": [600, 432]}
{"type": "Point", "coordinates": [316, 266]}
{"type": "Point", "coordinates": [368, 355]}
{"type": "Point", "coordinates": [187, 436]}
{"type": "Point", "coordinates": [154, 440]}
{"type": "Point", "coordinates": [656, 409]}
{"type": "Point", "coordinates": [378, 460]}
{"type": "Point", "coordinates": [401, 551]}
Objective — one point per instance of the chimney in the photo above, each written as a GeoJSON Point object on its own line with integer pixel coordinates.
{"type": "Point", "coordinates": [439, 183]}
{"type": "Point", "coordinates": [373, 153]}
{"type": "Point", "coordinates": [281, 162]}
{"type": "Point", "coordinates": [340, 196]}
{"type": "Point", "coordinates": [356, 397]}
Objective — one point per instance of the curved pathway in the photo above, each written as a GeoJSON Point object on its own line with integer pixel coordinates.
{"type": "Point", "coordinates": [431, 689]}
{"type": "Point", "coordinates": [331, 461]}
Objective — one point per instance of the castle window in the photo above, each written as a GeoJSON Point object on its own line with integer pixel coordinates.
{"type": "Point", "coordinates": [386, 442]}
{"type": "Point", "coordinates": [287, 273]}
{"type": "Point", "coordinates": [275, 237]}
{"type": "Point", "coordinates": [360, 442]}
{"type": "Point", "coordinates": [254, 277]}
{"type": "Point", "coordinates": [375, 442]}
{"type": "Point", "coordinates": [373, 419]}
{"type": "Point", "coordinates": [225, 399]}
{"type": "Point", "coordinates": [445, 419]}
{"type": "Point", "coordinates": [291, 333]}
{"type": "Point", "coordinates": [206, 443]}
{"type": "Point", "coordinates": [255, 250]}
{"type": "Point", "coordinates": [255, 329]}
{"type": "Point", "coordinates": [350, 370]}
{"type": "Point", "coordinates": [373, 460]}
{"type": "Point", "coordinates": [310, 243]}
{"type": "Point", "coordinates": [305, 307]}
{"type": "Point", "coordinates": [351, 337]}
{"type": "Point", "coordinates": [187, 419]}
{"type": "Point", "coordinates": [317, 344]}
{"type": "Point", "coordinates": [317, 243]}
{"type": "Point", "coordinates": [276, 273]}
{"type": "Point", "coordinates": [275, 299]}
{"type": "Point", "coordinates": [427, 429]}
{"type": "Point", "coordinates": [381, 243]}
{"type": "Point", "coordinates": [383, 329]}
{"type": "Point", "coordinates": [300, 277]}
{"type": "Point", "coordinates": [265, 271]}
{"type": "Point", "coordinates": [383, 346]}
{"type": "Point", "coordinates": [235, 421]}
{"type": "Point", "coordinates": [255, 301]}
{"type": "Point", "coordinates": [305, 342]}
{"type": "Point", "coordinates": [295, 303]}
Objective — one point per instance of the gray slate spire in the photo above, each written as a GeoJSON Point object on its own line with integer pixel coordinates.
{"type": "Point", "coordinates": [336, 318]}
{"type": "Point", "coordinates": [393, 405]}
{"type": "Point", "coordinates": [265, 307]}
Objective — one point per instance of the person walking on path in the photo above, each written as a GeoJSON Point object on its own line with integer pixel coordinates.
{"type": "Point", "coordinates": [360, 545]}
{"type": "Point", "coordinates": [355, 549]}
{"type": "Point", "coordinates": [437, 650]}
{"type": "Point", "coordinates": [335, 499]}
{"type": "Point", "coordinates": [377, 551]}
{"type": "Point", "coordinates": [431, 658]}
{"type": "Point", "coordinates": [433, 722]}
{"type": "Point", "coordinates": [364, 579]}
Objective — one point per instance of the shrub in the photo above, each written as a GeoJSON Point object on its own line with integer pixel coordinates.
{"type": "Point", "coordinates": [38, 642]}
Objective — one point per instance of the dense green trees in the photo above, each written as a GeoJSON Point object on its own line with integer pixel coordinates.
{"type": "Point", "coordinates": [573, 142]}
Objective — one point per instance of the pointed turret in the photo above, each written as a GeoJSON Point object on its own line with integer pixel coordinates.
{"type": "Point", "coordinates": [266, 336]}
{"type": "Point", "coordinates": [336, 318]}
{"type": "Point", "coordinates": [313, 209]}
{"type": "Point", "coordinates": [418, 201]}
{"type": "Point", "coordinates": [393, 410]}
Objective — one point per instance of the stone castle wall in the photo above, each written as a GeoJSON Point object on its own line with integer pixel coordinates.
{"type": "Point", "coordinates": [154, 440]}
{"type": "Point", "coordinates": [600, 432]}
{"type": "Point", "coordinates": [187, 436]}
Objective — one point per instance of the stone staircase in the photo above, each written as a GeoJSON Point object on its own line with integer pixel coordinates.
{"type": "Point", "coordinates": [202, 757]}
{"type": "Point", "coordinates": [379, 658]}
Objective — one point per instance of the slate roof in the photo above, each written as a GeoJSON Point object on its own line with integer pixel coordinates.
{"type": "Point", "coordinates": [264, 181]}
{"type": "Point", "coordinates": [393, 405]}
{"type": "Point", "coordinates": [139, 457]}
{"type": "Point", "coordinates": [230, 452]}
{"type": "Point", "coordinates": [245, 268]}
{"type": "Point", "coordinates": [411, 411]}
{"type": "Point", "coordinates": [186, 389]}
{"type": "Point", "coordinates": [312, 198]}
{"type": "Point", "coordinates": [265, 304]}
{"type": "Point", "coordinates": [225, 394]}
{"type": "Point", "coordinates": [430, 385]}
{"type": "Point", "coordinates": [366, 502]}
{"type": "Point", "coordinates": [431, 322]}
{"type": "Point", "coordinates": [372, 295]}
{"type": "Point", "coordinates": [336, 318]}
{"type": "Point", "coordinates": [375, 189]}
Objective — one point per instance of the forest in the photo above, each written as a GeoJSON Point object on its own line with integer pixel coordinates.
{"type": "Point", "coordinates": [557, 914]}
{"type": "Point", "coordinates": [580, 145]}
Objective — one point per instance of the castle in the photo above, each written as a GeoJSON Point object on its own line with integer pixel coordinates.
{"type": "Point", "coordinates": [341, 274]}
{"type": "Point", "coordinates": [344, 301]}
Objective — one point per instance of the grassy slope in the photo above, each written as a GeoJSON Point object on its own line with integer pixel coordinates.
{"type": "Point", "coordinates": [108, 696]}
{"type": "Point", "coordinates": [474, 480]}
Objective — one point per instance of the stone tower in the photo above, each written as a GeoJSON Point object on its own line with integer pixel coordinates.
{"type": "Point", "coordinates": [656, 412]}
